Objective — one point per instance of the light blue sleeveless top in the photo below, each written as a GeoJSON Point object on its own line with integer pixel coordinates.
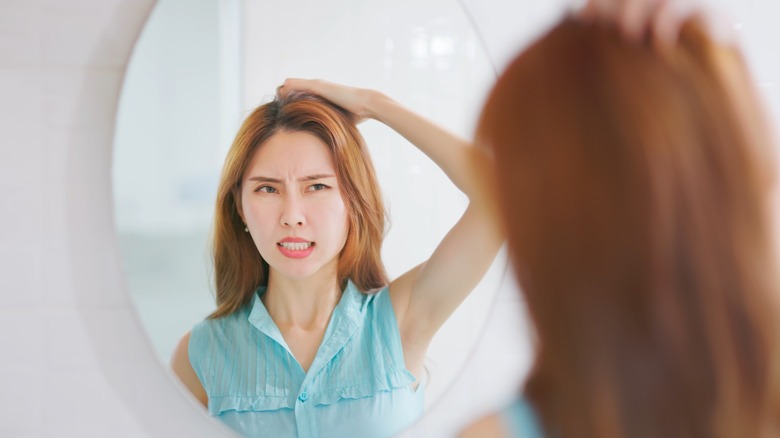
{"type": "Point", "coordinates": [357, 385]}
{"type": "Point", "coordinates": [520, 420]}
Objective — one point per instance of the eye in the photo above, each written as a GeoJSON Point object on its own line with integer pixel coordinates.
{"type": "Point", "coordinates": [317, 187]}
{"type": "Point", "coordinates": [265, 189]}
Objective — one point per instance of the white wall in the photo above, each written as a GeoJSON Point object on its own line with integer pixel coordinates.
{"type": "Point", "coordinates": [73, 359]}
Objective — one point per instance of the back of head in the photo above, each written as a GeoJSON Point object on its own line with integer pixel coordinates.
{"type": "Point", "coordinates": [238, 267]}
{"type": "Point", "coordinates": [634, 185]}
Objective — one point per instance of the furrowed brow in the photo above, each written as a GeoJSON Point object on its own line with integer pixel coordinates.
{"type": "Point", "coordinates": [265, 179]}
{"type": "Point", "coordinates": [316, 177]}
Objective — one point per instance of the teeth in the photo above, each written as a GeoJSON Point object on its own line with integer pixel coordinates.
{"type": "Point", "coordinates": [297, 246]}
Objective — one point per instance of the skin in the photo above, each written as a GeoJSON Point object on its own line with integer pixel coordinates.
{"type": "Point", "coordinates": [491, 426]}
{"type": "Point", "coordinates": [662, 19]}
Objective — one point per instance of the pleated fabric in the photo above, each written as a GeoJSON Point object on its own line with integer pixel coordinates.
{"type": "Point", "coordinates": [357, 385]}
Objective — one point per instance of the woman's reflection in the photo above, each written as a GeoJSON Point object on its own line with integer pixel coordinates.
{"type": "Point", "coordinates": [310, 338]}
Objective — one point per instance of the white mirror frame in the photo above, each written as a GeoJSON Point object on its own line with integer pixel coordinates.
{"type": "Point", "coordinates": [112, 338]}
{"type": "Point", "coordinates": [75, 361]}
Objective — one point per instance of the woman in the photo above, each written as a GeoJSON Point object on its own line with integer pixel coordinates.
{"type": "Point", "coordinates": [309, 337]}
{"type": "Point", "coordinates": [635, 187]}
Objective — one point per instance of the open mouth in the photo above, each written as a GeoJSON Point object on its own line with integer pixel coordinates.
{"type": "Point", "coordinates": [296, 246]}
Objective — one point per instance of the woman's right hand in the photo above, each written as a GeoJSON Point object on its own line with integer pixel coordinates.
{"type": "Point", "coordinates": [354, 100]}
{"type": "Point", "coordinates": [663, 19]}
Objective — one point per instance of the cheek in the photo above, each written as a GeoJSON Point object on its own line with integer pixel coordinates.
{"type": "Point", "coordinates": [335, 211]}
{"type": "Point", "coordinates": [260, 218]}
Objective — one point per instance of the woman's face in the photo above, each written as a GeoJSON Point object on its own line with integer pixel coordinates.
{"type": "Point", "coordinates": [292, 205]}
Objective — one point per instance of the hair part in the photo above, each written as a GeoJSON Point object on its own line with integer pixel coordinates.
{"type": "Point", "coordinates": [239, 269]}
{"type": "Point", "coordinates": [635, 187]}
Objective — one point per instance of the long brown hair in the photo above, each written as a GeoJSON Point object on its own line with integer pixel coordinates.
{"type": "Point", "coordinates": [238, 267]}
{"type": "Point", "coordinates": [635, 185]}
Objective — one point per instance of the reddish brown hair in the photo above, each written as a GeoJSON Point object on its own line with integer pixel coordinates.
{"type": "Point", "coordinates": [635, 187]}
{"type": "Point", "coordinates": [238, 267]}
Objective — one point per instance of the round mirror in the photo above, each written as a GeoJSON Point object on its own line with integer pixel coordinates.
{"type": "Point", "coordinates": [201, 66]}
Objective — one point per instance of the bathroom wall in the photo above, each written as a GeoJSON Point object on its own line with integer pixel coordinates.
{"type": "Point", "coordinates": [74, 361]}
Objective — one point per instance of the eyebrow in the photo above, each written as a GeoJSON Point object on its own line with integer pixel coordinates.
{"type": "Point", "coordinates": [305, 178]}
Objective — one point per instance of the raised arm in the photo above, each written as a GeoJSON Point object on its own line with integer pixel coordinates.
{"type": "Point", "coordinates": [426, 296]}
{"type": "Point", "coordinates": [661, 19]}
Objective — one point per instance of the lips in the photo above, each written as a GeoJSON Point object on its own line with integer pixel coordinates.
{"type": "Point", "coordinates": [295, 247]}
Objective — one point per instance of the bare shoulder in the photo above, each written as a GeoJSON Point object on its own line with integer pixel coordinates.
{"type": "Point", "coordinates": [490, 426]}
{"type": "Point", "coordinates": [181, 366]}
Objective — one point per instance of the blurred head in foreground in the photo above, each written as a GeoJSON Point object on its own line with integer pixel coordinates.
{"type": "Point", "coordinates": [634, 184]}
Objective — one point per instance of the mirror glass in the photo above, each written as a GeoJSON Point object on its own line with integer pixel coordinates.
{"type": "Point", "coordinates": [200, 66]}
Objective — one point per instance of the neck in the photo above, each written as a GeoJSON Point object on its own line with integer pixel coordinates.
{"type": "Point", "coordinates": [303, 303]}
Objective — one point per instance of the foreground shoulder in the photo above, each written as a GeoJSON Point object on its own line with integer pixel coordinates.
{"type": "Point", "coordinates": [181, 366]}
{"type": "Point", "coordinates": [490, 426]}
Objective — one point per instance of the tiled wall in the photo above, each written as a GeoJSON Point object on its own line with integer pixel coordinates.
{"type": "Point", "coordinates": [73, 359]}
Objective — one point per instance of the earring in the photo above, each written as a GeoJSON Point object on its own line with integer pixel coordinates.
{"type": "Point", "coordinates": [246, 229]}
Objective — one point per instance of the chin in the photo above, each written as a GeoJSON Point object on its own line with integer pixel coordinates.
{"type": "Point", "coordinates": [295, 272]}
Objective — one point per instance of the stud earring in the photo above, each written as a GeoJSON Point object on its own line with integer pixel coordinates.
{"type": "Point", "coordinates": [246, 229]}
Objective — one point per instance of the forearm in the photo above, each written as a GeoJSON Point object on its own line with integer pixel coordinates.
{"type": "Point", "coordinates": [450, 152]}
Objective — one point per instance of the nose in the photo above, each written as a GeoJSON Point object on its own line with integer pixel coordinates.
{"type": "Point", "coordinates": [292, 212]}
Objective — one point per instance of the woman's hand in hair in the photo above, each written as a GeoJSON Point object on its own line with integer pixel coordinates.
{"type": "Point", "coordinates": [354, 100]}
{"type": "Point", "coordinates": [660, 19]}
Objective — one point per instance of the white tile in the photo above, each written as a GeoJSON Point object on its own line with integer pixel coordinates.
{"type": "Point", "coordinates": [23, 155]}
{"type": "Point", "coordinates": [122, 340]}
{"type": "Point", "coordinates": [57, 289]}
{"type": "Point", "coordinates": [93, 255]}
{"type": "Point", "coordinates": [80, 99]}
{"type": "Point", "coordinates": [79, 39]}
{"type": "Point", "coordinates": [30, 431]}
{"type": "Point", "coordinates": [98, 428]}
{"type": "Point", "coordinates": [21, 338]}
{"type": "Point", "coordinates": [88, 159]}
{"type": "Point", "coordinates": [20, 37]}
{"type": "Point", "coordinates": [20, 274]}
{"type": "Point", "coordinates": [23, 398]}
{"type": "Point", "coordinates": [55, 161]}
{"type": "Point", "coordinates": [91, 34]}
{"type": "Point", "coordinates": [22, 91]}
{"type": "Point", "coordinates": [67, 345]}
{"type": "Point", "coordinates": [23, 212]}
{"type": "Point", "coordinates": [83, 404]}
{"type": "Point", "coordinates": [80, 225]}
{"type": "Point", "coordinates": [78, 346]}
